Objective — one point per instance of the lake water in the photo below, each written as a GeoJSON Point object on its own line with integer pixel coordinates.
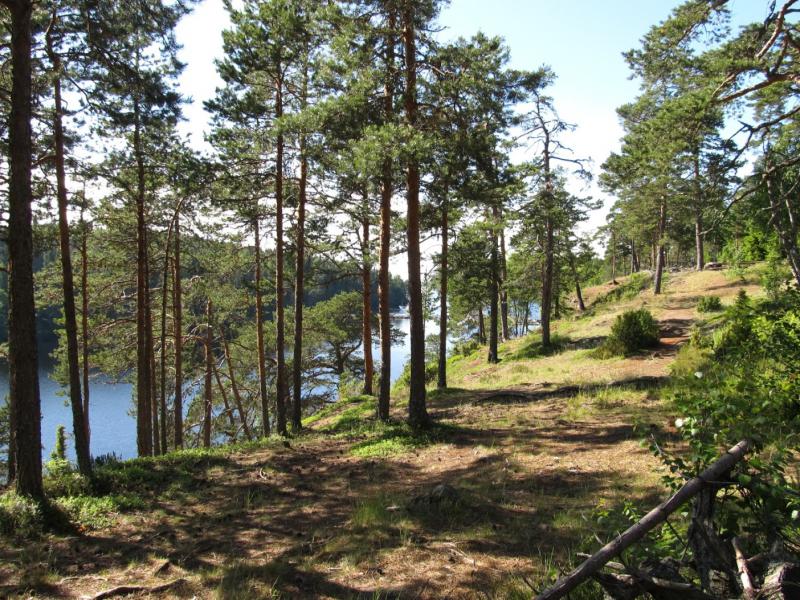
{"type": "Point", "coordinates": [113, 427]}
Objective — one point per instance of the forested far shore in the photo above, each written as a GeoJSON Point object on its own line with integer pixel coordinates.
{"type": "Point", "coordinates": [326, 279]}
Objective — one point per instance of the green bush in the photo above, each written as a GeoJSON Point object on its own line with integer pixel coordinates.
{"type": "Point", "coordinates": [465, 347]}
{"type": "Point", "coordinates": [636, 329]}
{"type": "Point", "coordinates": [709, 304]}
{"type": "Point", "coordinates": [610, 348]}
{"type": "Point", "coordinates": [19, 516]}
{"type": "Point", "coordinates": [632, 331]}
{"type": "Point", "coordinates": [431, 372]}
{"type": "Point", "coordinates": [61, 479]}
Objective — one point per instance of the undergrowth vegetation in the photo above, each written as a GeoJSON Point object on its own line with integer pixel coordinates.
{"type": "Point", "coordinates": [742, 381]}
{"type": "Point", "coordinates": [632, 331]}
{"type": "Point", "coordinates": [629, 289]}
{"type": "Point", "coordinates": [709, 304]}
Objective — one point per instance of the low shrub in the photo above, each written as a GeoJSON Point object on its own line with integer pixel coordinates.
{"type": "Point", "coordinates": [632, 331]}
{"type": "Point", "coordinates": [636, 329]}
{"type": "Point", "coordinates": [610, 348]}
{"type": "Point", "coordinates": [19, 516]}
{"type": "Point", "coordinates": [709, 304]}
{"type": "Point", "coordinates": [431, 372]}
{"type": "Point", "coordinates": [88, 511]}
{"type": "Point", "coordinates": [465, 347]}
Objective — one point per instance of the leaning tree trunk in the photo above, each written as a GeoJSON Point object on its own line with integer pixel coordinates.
{"type": "Point", "coordinates": [578, 294]}
{"type": "Point", "coordinates": [22, 356]}
{"type": "Point", "coordinates": [417, 410]}
{"type": "Point", "coordinates": [443, 275]}
{"type": "Point", "coordinates": [68, 285]}
{"type": "Point", "coordinates": [662, 224]}
{"type": "Point", "coordinates": [224, 395]}
{"type": "Point", "coordinates": [384, 300]}
{"type": "Point", "coordinates": [177, 325]}
{"type": "Point", "coordinates": [280, 355]}
{"type": "Point", "coordinates": [366, 311]}
{"type": "Point", "coordinates": [262, 366]}
{"type": "Point", "coordinates": [237, 397]}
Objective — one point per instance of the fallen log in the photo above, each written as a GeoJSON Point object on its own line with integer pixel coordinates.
{"type": "Point", "coordinates": [655, 517]}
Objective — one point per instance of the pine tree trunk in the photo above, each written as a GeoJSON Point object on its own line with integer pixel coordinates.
{"type": "Point", "coordinates": [207, 390]}
{"type": "Point", "coordinates": [503, 280]}
{"type": "Point", "coordinates": [85, 322]}
{"type": "Point", "coordinates": [237, 397]}
{"type": "Point", "coordinates": [177, 316]}
{"type": "Point", "coordinates": [494, 291]}
{"type": "Point", "coordinates": [144, 432]}
{"type": "Point", "coordinates": [297, 361]}
{"type": "Point", "coordinates": [578, 293]}
{"type": "Point", "coordinates": [162, 397]}
{"type": "Point", "coordinates": [22, 355]}
{"type": "Point", "coordinates": [443, 275]}
{"type": "Point", "coordinates": [613, 257]}
{"type": "Point", "coordinates": [151, 359]}
{"type": "Point", "coordinates": [525, 318]}
{"type": "Point", "coordinates": [68, 286]}
{"type": "Point", "coordinates": [384, 300]}
{"type": "Point", "coordinates": [481, 326]}
{"type": "Point", "coordinates": [417, 411]}
{"type": "Point", "coordinates": [366, 312]}
{"type": "Point", "coordinates": [547, 282]}
{"type": "Point", "coordinates": [262, 367]}
{"type": "Point", "coordinates": [662, 224]}
{"type": "Point", "coordinates": [698, 241]}
{"type": "Point", "coordinates": [549, 245]}
{"type": "Point", "coordinates": [280, 344]}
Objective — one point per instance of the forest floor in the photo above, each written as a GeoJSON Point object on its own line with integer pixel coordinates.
{"type": "Point", "coordinates": [538, 454]}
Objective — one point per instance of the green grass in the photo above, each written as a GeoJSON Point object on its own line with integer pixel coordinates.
{"type": "Point", "coordinates": [532, 347]}
{"type": "Point", "coordinates": [333, 408]}
{"type": "Point", "coordinates": [628, 290]}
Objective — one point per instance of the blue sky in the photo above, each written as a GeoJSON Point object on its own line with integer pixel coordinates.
{"type": "Point", "coordinates": [581, 40]}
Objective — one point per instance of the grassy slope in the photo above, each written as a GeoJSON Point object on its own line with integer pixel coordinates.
{"type": "Point", "coordinates": [536, 462]}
